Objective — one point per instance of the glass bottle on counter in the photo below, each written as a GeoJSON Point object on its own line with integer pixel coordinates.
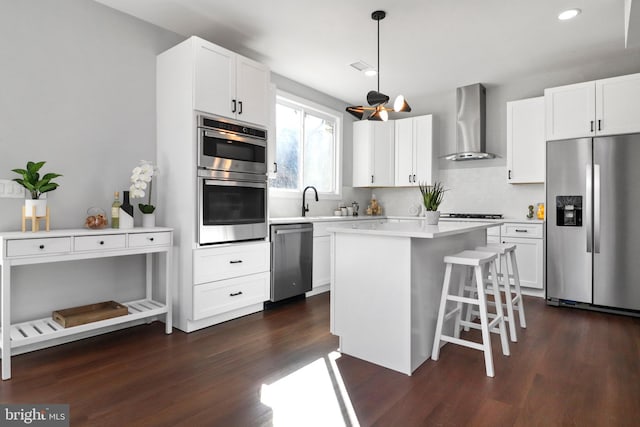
{"type": "Point", "coordinates": [115, 210]}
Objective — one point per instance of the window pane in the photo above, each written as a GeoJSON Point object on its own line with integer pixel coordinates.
{"type": "Point", "coordinates": [288, 156]}
{"type": "Point", "coordinates": [319, 153]}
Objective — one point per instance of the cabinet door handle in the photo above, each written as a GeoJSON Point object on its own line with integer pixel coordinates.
{"type": "Point", "coordinates": [233, 110]}
{"type": "Point", "coordinates": [275, 167]}
{"type": "Point", "coordinates": [372, 179]}
{"type": "Point", "coordinates": [521, 231]}
{"type": "Point", "coordinates": [509, 174]}
{"type": "Point", "coordinates": [414, 178]}
{"type": "Point", "coordinates": [41, 246]}
{"type": "Point", "coordinates": [235, 294]}
{"type": "Point", "coordinates": [591, 125]}
{"type": "Point", "coordinates": [235, 261]}
{"type": "Point", "coordinates": [151, 238]}
{"type": "Point", "coordinates": [409, 177]}
{"type": "Point", "coordinates": [599, 123]}
{"type": "Point", "coordinates": [240, 103]}
{"type": "Point", "coordinates": [102, 242]}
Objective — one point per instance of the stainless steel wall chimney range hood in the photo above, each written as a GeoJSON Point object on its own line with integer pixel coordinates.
{"type": "Point", "coordinates": [470, 124]}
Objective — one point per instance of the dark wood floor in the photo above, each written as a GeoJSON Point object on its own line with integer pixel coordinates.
{"type": "Point", "coordinates": [570, 367]}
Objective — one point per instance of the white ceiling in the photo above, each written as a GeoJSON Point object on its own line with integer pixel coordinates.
{"type": "Point", "coordinates": [427, 46]}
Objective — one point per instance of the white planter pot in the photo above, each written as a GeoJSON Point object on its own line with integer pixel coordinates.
{"type": "Point", "coordinates": [149, 220]}
{"type": "Point", "coordinates": [40, 205]}
{"type": "Point", "coordinates": [432, 217]}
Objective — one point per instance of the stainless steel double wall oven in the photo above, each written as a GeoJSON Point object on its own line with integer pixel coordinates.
{"type": "Point", "coordinates": [232, 181]}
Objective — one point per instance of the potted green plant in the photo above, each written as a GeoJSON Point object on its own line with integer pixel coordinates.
{"type": "Point", "coordinates": [432, 196]}
{"type": "Point", "coordinates": [36, 185]}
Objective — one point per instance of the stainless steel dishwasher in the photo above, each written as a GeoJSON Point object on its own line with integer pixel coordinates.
{"type": "Point", "coordinates": [291, 260]}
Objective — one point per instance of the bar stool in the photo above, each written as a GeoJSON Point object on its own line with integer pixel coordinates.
{"type": "Point", "coordinates": [509, 283]}
{"type": "Point", "coordinates": [475, 261]}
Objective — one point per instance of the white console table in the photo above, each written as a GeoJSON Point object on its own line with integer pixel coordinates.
{"type": "Point", "coordinates": [19, 248]}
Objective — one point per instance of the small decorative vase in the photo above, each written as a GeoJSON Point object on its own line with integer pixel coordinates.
{"type": "Point", "coordinates": [40, 205]}
{"type": "Point", "coordinates": [126, 212]}
{"type": "Point", "coordinates": [149, 220]}
{"type": "Point", "coordinates": [432, 217]}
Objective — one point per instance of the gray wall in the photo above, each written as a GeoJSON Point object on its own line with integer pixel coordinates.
{"type": "Point", "coordinates": [78, 91]}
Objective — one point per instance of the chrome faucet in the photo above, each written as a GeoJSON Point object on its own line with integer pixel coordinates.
{"type": "Point", "coordinates": [305, 206]}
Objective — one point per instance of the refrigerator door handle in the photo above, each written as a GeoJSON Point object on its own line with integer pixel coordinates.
{"type": "Point", "coordinates": [596, 208]}
{"type": "Point", "coordinates": [589, 190]}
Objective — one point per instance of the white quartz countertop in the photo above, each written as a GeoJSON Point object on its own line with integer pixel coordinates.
{"type": "Point", "coordinates": [334, 218]}
{"type": "Point", "coordinates": [300, 219]}
{"type": "Point", "coordinates": [418, 229]}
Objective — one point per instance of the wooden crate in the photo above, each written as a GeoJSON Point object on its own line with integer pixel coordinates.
{"type": "Point", "coordinates": [89, 313]}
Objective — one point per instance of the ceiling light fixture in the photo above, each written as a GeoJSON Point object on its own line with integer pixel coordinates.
{"type": "Point", "coordinates": [377, 110]}
{"type": "Point", "coordinates": [569, 14]}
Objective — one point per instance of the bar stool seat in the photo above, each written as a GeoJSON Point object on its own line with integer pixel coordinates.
{"type": "Point", "coordinates": [474, 261]}
{"type": "Point", "coordinates": [509, 283]}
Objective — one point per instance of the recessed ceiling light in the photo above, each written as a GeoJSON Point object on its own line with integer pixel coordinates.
{"type": "Point", "coordinates": [370, 72]}
{"type": "Point", "coordinates": [569, 14]}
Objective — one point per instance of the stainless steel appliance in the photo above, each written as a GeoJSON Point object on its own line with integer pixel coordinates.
{"type": "Point", "coordinates": [593, 239]}
{"type": "Point", "coordinates": [291, 260]}
{"type": "Point", "coordinates": [471, 122]}
{"type": "Point", "coordinates": [231, 146]}
{"type": "Point", "coordinates": [232, 181]}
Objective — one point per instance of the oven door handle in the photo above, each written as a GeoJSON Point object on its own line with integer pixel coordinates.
{"type": "Point", "coordinates": [251, 184]}
{"type": "Point", "coordinates": [233, 137]}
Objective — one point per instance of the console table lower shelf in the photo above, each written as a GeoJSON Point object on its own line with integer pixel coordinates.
{"type": "Point", "coordinates": [35, 331]}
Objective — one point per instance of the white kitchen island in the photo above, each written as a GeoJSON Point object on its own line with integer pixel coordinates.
{"type": "Point", "coordinates": [386, 284]}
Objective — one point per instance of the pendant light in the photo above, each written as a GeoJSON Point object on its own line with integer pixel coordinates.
{"type": "Point", "coordinates": [377, 109]}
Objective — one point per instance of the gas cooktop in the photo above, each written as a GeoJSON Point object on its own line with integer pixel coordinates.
{"type": "Point", "coordinates": [472, 215]}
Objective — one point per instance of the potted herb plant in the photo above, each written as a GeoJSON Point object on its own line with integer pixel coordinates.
{"type": "Point", "coordinates": [432, 196]}
{"type": "Point", "coordinates": [36, 185]}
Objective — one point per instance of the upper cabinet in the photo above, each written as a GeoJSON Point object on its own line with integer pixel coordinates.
{"type": "Point", "coordinates": [230, 85]}
{"type": "Point", "coordinates": [373, 154]}
{"type": "Point", "coordinates": [525, 141]}
{"type": "Point", "coordinates": [596, 108]}
{"type": "Point", "coordinates": [414, 151]}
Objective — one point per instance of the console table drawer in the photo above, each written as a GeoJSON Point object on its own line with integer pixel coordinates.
{"type": "Point", "coordinates": [107, 241]}
{"type": "Point", "coordinates": [149, 239]}
{"type": "Point", "coordinates": [210, 299]}
{"type": "Point", "coordinates": [26, 247]}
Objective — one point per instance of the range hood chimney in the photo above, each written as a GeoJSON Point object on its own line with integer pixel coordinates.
{"type": "Point", "coordinates": [470, 124]}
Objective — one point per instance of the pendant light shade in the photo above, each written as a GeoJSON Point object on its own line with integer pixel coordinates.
{"type": "Point", "coordinates": [377, 109]}
{"type": "Point", "coordinates": [400, 105]}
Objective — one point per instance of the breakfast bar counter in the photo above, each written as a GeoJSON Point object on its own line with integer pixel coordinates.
{"type": "Point", "coordinates": [386, 284]}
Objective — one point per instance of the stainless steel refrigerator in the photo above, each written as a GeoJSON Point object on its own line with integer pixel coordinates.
{"type": "Point", "coordinates": [593, 222]}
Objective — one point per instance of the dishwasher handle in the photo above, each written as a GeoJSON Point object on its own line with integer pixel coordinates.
{"type": "Point", "coordinates": [294, 230]}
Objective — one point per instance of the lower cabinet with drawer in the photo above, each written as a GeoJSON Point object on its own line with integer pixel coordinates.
{"type": "Point", "coordinates": [229, 281]}
{"type": "Point", "coordinates": [529, 252]}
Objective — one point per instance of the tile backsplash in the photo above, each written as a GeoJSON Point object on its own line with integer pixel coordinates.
{"type": "Point", "coordinates": [469, 190]}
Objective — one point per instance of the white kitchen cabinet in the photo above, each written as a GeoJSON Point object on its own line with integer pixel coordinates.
{"type": "Point", "coordinates": [529, 251]}
{"type": "Point", "coordinates": [525, 141]}
{"type": "Point", "coordinates": [595, 108]}
{"type": "Point", "coordinates": [321, 275]}
{"type": "Point", "coordinates": [373, 154]}
{"type": "Point", "coordinates": [230, 85]}
{"type": "Point", "coordinates": [415, 160]}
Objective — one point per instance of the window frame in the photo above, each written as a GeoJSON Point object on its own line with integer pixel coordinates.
{"type": "Point", "coordinates": [324, 112]}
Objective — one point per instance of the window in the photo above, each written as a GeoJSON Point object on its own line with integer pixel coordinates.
{"type": "Point", "coordinates": [307, 147]}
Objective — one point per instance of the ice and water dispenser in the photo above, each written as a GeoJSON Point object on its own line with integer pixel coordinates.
{"type": "Point", "coordinates": [569, 211]}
